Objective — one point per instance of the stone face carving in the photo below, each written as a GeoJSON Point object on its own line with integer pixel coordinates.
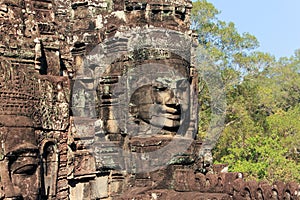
{"type": "Point", "coordinates": [33, 114]}
{"type": "Point", "coordinates": [157, 105]}
{"type": "Point", "coordinates": [20, 173]}
{"type": "Point", "coordinates": [153, 93]}
{"type": "Point", "coordinates": [164, 101]}
{"type": "Point", "coordinates": [98, 100]}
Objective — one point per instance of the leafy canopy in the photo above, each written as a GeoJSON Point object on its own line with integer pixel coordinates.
{"type": "Point", "coordinates": [262, 127]}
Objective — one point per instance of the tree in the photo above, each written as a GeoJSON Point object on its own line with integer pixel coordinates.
{"type": "Point", "coordinates": [261, 127]}
{"type": "Point", "coordinates": [220, 39]}
{"type": "Point", "coordinates": [262, 139]}
{"type": "Point", "coordinates": [232, 54]}
{"type": "Point", "coordinates": [262, 158]}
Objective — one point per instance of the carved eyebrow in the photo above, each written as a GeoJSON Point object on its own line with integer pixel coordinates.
{"type": "Point", "coordinates": [24, 147]}
{"type": "Point", "coordinates": [25, 152]}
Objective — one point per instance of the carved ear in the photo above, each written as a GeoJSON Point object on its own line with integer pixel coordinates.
{"type": "Point", "coordinates": [49, 167]}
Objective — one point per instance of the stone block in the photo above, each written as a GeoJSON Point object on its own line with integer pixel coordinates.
{"type": "Point", "coordinates": [184, 180]}
{"type": "Point", "coordinates": [99, 188]}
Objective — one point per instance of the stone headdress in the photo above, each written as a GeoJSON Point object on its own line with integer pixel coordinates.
{"type": "Point", "coordinates": [27, 96]}
{"type": "Point", "coordinates": [19, 92]}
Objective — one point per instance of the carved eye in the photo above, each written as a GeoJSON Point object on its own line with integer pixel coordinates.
{"type": "Point", "coordinates": [23, 163]}
{"type": "Point", "coordinates": [28, 169]}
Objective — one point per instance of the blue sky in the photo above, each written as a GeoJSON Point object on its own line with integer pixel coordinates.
{"type": "Point", "coordinates": [275, 23]}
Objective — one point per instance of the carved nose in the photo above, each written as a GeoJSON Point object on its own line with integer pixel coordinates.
{"type": "Point", "coordinates": [170, 99]}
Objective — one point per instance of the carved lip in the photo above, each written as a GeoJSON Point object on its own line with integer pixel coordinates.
{"type": "Point", "coordinates": [171, 116]}
{"type": "Point", "coordinates": [170, 111]}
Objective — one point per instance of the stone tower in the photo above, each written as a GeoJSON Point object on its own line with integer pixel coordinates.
{"type": "Point", "coordinates": [98, 100]}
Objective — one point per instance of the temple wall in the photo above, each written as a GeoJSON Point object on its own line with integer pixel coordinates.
{"type": "Point", "coordinates": [93, 69]}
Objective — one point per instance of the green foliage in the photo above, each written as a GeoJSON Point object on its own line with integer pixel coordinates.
{"type": "Point", "coordinates": [262, 158]}
{"type": "Point", "coordinates": [286, 125]}
{"type": "Point", "coordinates": [220, 39]}
{"type": "Point", "coordinates": [262, 125]}
{"type": "Point", "coordinates": [261, 137]}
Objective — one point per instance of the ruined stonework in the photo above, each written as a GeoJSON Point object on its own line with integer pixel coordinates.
{"type": "Point", "coordinates": [98, 100]}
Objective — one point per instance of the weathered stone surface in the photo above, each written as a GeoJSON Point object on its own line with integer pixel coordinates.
{"type": "Point", "coordinates": [98, 100]}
